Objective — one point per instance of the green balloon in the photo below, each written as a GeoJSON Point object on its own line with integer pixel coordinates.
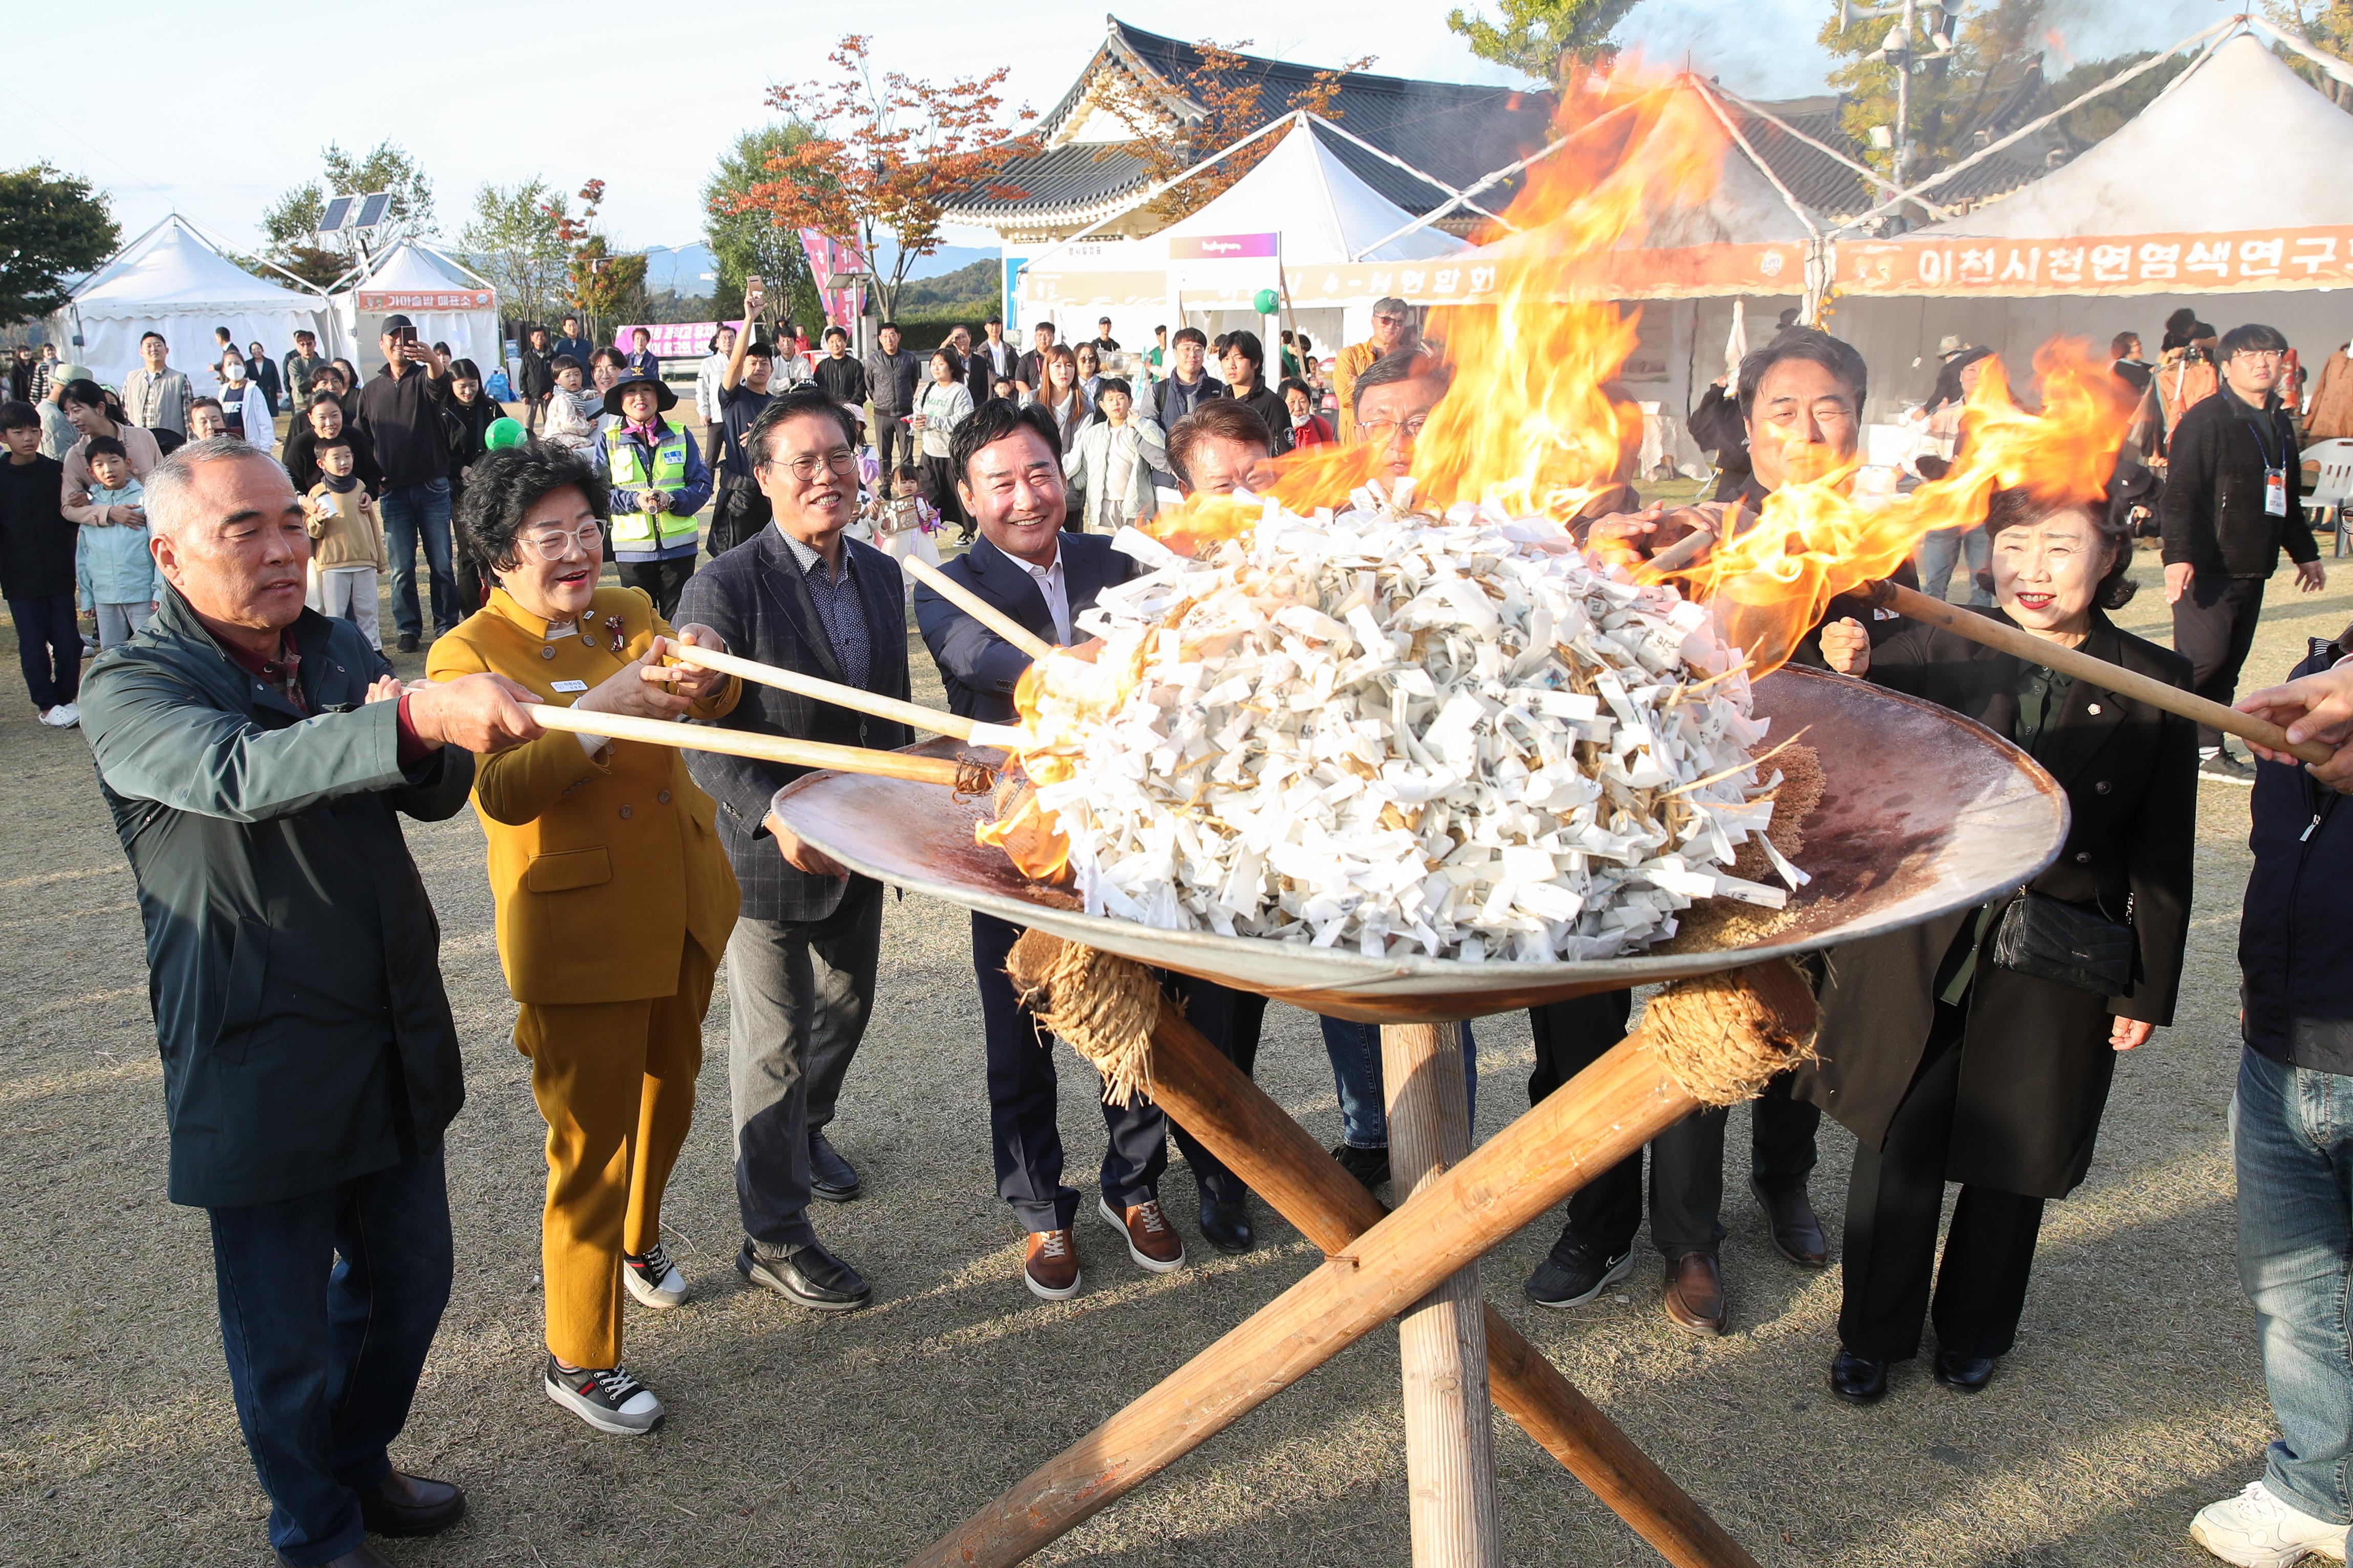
{"type": "Point", "coordinates": [1268, 302]}
{"type": "Point", "coordinates": [504, 433]}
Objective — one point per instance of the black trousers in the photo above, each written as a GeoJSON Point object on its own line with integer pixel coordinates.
{"type": "Point", "coordinates": [1023, 1098]}
{"type": "Point", "coordinates": [888, 435]}
{"type": "Point", "coordinates": [940, 489]}
{"type": "Point", "coordinates": [1686, 1160]}
{"type": "Point", "coordinates": [48, 645]}
{"type": "Point", "coordinates": [2213, 628]}
{"type": "Point", "coordinates": [1893, 1203]}
{"type": "Point", "coordinates": [663, 581]}
{"type": "Point", "coordinates": [741, 510]}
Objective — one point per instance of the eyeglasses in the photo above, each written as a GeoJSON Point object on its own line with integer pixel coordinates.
{"type": "Point", "coordinates": [841, 461]}
{"type": "Point", "coordinates": [1387, 430]}
{"type": "Point", "coordinates": [2261, 353]}
{"type": "Point", "coordinates": [555, 543]}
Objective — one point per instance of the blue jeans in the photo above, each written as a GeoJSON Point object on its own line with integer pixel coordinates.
{"type": "Point", "coordinates": [1355, 1052]}
{"type": "Point", "coordinates": [1940, 551]}
{"type": "Point", "coordinates": [328, 1302]}
{"type": "Point", "coordinates": [2291, 1140]}
{"type": "Point", "coordinates": [415, 514]}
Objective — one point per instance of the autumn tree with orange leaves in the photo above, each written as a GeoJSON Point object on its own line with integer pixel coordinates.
{"type": "Point", "coordinates": [1231, 90]}
{"type": "Point", "coordinates": [887, 156]}
{"type": "Point", "coordinates": [597, 283]}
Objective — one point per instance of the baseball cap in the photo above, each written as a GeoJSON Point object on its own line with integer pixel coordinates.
{"type": "Point", "coordinates": [396, 323]}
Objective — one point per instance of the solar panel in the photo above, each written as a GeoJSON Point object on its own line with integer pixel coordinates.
{"type": "Point", "coordinates": [338, 215]}
{"type": "Point", "coordinates": [372, 209]}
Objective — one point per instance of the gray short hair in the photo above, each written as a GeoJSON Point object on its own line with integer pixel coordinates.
{"type": "Point", "coordinates": [168, 490]}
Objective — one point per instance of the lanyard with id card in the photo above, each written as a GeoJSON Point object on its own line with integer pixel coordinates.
{"type": "Point", "coordinates": [2274, 476]}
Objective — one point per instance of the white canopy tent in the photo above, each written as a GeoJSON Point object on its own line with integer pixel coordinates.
{"type": "Point", "coordinates": [2106, 244]}
{"type": "Point", "coordinates": [173, 280]}
{"type": "Point", "coordinates": [1299, 207]}
{"type": "Point", "coordinates": [447, 300]}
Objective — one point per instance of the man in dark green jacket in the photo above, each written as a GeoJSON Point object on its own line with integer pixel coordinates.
{"type": "Point", "coordinates": [256, 756]}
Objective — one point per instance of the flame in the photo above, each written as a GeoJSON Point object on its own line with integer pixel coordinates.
{"type": "Point", "coordinates": [1814, 540]}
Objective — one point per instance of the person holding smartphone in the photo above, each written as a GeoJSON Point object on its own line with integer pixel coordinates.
{"type": "Point", "coordinates": [399, 419]}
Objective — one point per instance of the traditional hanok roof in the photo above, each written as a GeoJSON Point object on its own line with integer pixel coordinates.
{"type": "Point", "coordinates": [1456, 133]}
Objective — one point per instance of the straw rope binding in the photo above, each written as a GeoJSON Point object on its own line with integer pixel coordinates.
{"type": "Point", "coordinates": [1724, 1036]}
{"type": "Point", "coordinates": [1105, 1005]}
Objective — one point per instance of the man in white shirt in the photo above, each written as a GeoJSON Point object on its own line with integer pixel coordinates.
{"type": "Point", "coordinates": [156, 395]}
{"type": "Point", "coordinates": [706, 392]}
{"type": "Point", "coordinates": [1008, 464]}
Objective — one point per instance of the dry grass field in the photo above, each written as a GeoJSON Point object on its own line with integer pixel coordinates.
{"type": "Point", "coordinates": [2134, 1397]}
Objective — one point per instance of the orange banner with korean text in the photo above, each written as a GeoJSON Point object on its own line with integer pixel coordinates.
{"type": "Point", "coordinates": [2251, 261]}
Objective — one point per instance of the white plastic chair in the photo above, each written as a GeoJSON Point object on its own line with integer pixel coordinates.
{"type": "Point", "coordinates": [2329, 485]}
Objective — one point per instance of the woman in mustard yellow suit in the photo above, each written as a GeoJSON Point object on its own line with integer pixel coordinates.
{"type": "Point", "coordinates": [615, 900]}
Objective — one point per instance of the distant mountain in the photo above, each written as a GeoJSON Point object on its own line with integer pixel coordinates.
{"type": "Point", "coordinates": [680, 270]}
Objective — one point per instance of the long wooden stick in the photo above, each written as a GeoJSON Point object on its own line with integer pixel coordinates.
{"type": "Point", "coordinates": [979, 608]}
{"type": "Point", "coordinates": [1604, 1114]}
{"type": "Point", "coordinates": [1450, 1438]}
{"type": "Point", "coordinates": [2109, 676]}
{"type": "Point", "coordinates": [743, 744]}
{"type": "Point", "coordinates": [913, 714]}
{"type": "Point", "coordinates": [1241, 1124]}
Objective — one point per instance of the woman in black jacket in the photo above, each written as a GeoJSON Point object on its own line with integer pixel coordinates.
{"type": "Point", "coordinates": [1948, 1067]}
{"type": "Point", "coordinates": [325, 417]}
{"type": "Point", "coordinates": [1245, 365]}
{"type": "Point", "coordinates": [467, 417]}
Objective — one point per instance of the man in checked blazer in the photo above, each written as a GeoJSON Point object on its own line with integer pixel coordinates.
{"type": "Point", "coordinates": [803, 596]}
{"type": "Point", "coordinates": [1008, 465]}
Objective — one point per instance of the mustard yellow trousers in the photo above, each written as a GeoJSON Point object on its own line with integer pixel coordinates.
{"type": "Point", "coordinates": [616, 1083]}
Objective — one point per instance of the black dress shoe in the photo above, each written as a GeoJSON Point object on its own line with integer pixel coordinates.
{"type": "Point", "coordinates": [809, 1275]}
{"type": "Point", "coordinates": [408, 643]}
{"type": "Point", "coordinates": [1369, 1166]}
{"type": "Point", "coordinates": [1964, 1373]}
{"type": "Point", "coordinates": [403, 1504]}
{"type": "Point", "coordinates": [1227, 1227]}
{"type": "Point", "coordinates": [1797, 1230]}
{"type": "Point", "coordinates": [831, 1177]}
{"type": "Point", "coordinates": [1858, 1379]}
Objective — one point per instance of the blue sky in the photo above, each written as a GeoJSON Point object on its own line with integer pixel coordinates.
{"type": "Point", "coordinates": [436, 77]}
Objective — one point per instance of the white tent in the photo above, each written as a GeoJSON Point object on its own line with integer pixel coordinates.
{"type": "Point", "coordinates": [448, 302]}
{"type": "Point", "coordinates": [2170, 210]}
{"type": "Point", "coordinates": [1325, 211]}
{"type": "Point", "coordinates": [173, 280]}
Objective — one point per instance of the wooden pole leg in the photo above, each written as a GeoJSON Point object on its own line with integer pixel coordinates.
{"type": "Point", "coordinates": [1241, 1125]}
{"type": "Point", "coordinates": [1608, 1111]}
{"type": "Point", "coordinates": [1441, 1340]}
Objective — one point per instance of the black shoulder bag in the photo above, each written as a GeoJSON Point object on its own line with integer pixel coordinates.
{"type": "Point", "coordinates": [2050, 939]}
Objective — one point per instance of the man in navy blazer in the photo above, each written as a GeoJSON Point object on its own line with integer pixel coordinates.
{"type": "Point", "coordinates": [1009, 462]}
{"type": "Point", "coordinates": [803, 596]}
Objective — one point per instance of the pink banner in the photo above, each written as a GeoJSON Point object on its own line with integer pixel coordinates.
{"type": "Point", "coordinates": [826, 257]}
{"type": "Point", "coordinates": [673, 340]}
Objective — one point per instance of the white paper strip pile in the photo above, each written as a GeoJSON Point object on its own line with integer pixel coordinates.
{"type": "Point", "coordinates": [1406, 734]}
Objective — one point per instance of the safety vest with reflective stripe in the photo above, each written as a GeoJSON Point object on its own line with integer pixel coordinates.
{"type": "Point", "coordinates": [635, 530]}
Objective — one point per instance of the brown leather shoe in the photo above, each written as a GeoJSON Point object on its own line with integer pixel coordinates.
{"type": "Point", "coordinates": [1051, 1268]}
{"type": "Point", "coordinates": [403, 1504]}
{"type": "Point", "coordinates": [1152, 1241]}
{"type": "Point", "coordinates": [1797, 1230]}
{"type": "Point", "coordinates": [1694, 1293]}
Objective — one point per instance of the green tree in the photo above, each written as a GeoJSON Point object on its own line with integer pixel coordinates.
{"type": "Point", "coordinates": [748, 240]}
{"type": "Point", "coordinates": [1949, 96]}
{"type": "Point", "coordinates": [516, 239]}
{"type": "Point", "coordinates": [603, 287]}
{"type": "Point", "coordinates": [1545, 39]}
{"type": "Point", "coordinates": [2327, 25]}
{"type": "Point", "coordinates": [292, 224]}
{"type": "Point", "coordinates": [52, 227]}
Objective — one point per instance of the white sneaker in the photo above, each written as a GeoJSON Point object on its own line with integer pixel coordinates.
{"type": "Point", "coordinates": [72, 715]}
{"type": "Point", "coordinates": [653, 1279]}
{"type": "Point", "coordinates": [2258, 1529]}
{"type": "Point", "coordinates": [607, 1398]}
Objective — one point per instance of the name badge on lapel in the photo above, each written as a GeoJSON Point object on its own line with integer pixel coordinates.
{"type": "Point", "coordinates": [568, 685]}
{"type": "Point", "coordinates": [2275, 492]}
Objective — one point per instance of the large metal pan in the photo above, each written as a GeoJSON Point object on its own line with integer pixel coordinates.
{"type": "Point", "coordinates": [1925, 812]}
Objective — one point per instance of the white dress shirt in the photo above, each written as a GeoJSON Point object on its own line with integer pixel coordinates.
{"type": "Point", "coordinates": [1057, 593]}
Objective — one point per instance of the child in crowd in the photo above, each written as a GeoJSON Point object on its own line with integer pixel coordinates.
{"type": "Point", "coordinates": [115, 570]}
{"type": "Point", "coordinates": [347, 542]}
{"type": "Point", "coordinates": [1003, 388]}
{"type": "Point", "coordinates": [903, 522]}
{"type": "Point", "coordinates": [37, 545]}
{"type": "Point", "coordinates": [206, 419]}
{"type": "Point", "coordinates": [572, 411]}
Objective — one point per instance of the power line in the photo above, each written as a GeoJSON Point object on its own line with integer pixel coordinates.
{"type": "Point", "coordinates": [79, 137]}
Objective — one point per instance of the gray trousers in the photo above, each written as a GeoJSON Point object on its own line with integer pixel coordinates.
{"type": "Point", "coordinates": [798, 993]}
